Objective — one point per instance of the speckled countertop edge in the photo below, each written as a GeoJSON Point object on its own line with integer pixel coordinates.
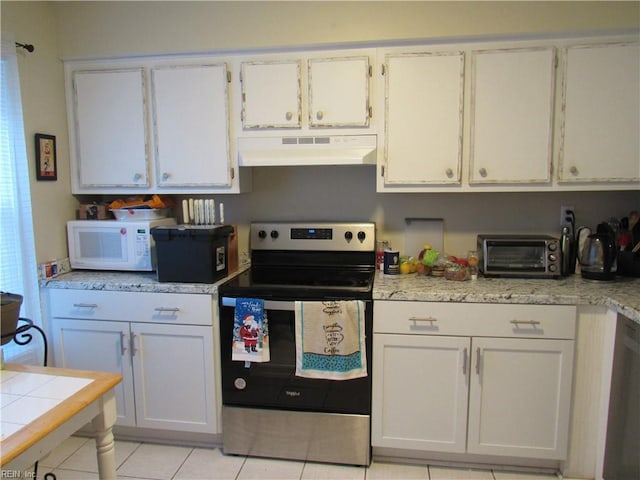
{"type": "Point", "coordinates": [129, 282]}
{"type": "Point", "coordinates": [623, 295]}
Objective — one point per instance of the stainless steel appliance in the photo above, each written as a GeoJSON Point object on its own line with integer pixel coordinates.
{"type": "Point", "coordinates": [266, 409]}
{"type": "Point", "coordinates": [598, 253]}
{"type": "Point", "coordinates": [535, 256]}
{"type": "Point", "coordinates": [621, 459]}
{"type": "Point", "coordinates": [113, 244]}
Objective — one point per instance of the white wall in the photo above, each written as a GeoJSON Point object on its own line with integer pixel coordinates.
{"type": "Point", "coordinates": [103, 29]}
{"type": "Point", "coordinates": [44, 110]}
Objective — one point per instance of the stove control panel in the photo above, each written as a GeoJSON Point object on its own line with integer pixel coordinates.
{"type": "Point", "coordinates": [338, 236]}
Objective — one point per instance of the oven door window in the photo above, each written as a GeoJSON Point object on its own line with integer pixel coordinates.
{"type": "Point", "coordinates": [274, 384]}
{"type": "Point", "coordinates": [516, 257]}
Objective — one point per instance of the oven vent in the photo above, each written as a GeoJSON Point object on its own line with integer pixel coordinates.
{"type": "Point", "coordinates": [307, 150]}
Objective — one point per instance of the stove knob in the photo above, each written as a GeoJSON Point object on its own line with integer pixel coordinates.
{"type": "Point", "coordinates": [348, 236]}
{"type": "Point", "coordinates": [262, 234]}
{"type": "Point", "coordinates": [361, 236]}
{"type": "Point", "coordinates": [274, 234]}
{"type": "Point", "coordinates": [240, 383]}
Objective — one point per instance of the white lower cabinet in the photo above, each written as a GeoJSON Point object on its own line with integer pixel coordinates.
{"type": "Point", "coordinates": [161, 344]}
{"type": "Point", "coordinates": [473, 379]}
{"type": "Point", "coordinates": [420, 392]}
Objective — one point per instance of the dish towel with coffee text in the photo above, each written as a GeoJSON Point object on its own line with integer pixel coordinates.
{"type": "Point", "coordinates": [250, 331]}
{"type": "Point", "coordinates": [330, 339]}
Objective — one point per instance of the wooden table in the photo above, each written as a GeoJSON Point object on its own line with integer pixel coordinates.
{"type": "Point", "coordinates": [42, 406]}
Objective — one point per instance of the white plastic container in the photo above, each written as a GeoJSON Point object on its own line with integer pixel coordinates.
{"type": "Point", "coordinates": [136, 214]}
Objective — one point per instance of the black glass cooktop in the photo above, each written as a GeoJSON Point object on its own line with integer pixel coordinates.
{"type": "Point", "coordinates": [291, 282]}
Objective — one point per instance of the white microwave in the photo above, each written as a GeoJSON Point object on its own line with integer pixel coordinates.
{"type": "Point", "coordinates": [113, 244]}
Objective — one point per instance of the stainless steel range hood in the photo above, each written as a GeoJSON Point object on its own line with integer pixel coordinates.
{"type": "Point", "coordinates": [293, 150]}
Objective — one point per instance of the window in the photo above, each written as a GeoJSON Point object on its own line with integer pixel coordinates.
{"type": "Point", "coordinates": [18, 269]}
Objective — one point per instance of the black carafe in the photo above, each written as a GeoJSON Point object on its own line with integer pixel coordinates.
{"type": "Point", "coordinates": [598, 255]}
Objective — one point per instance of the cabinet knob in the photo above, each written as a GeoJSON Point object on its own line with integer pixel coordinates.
{"type": "Point", "coordinates": [573, 170]}
{"type": "Point", "coordinates": [288, 115]}
{"type": "Point", "coordinates": [137, 176]}
{"type": "Point", "coordinates": [483, 172]}
{"type": "Point", "coordinates": [165, 176]}
{"type": "Point", "coordinates": [449, 173]}
{"type": "Point", "coordinates": [319, 115]}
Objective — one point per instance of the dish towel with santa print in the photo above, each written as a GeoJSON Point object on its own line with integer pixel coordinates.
{"type": "Point", "coordinates": [250, 331]}
{"type": "Point", "coordinates": [330, 340]}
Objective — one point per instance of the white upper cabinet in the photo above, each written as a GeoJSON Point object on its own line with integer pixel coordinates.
{"type": "Point", "coordinates": [339, 92]}
{"type": "Point", "coordinates": [521, 115]}
{"type": "Point", "coordinates": [109, 128]}
{"type": "Point", "coordinates": [151, 125]}
{"type": "Point", "coordinates": [310, 93]}
{"type": "Point", "coordinates": [271, 94]}
{"type": "Point", "coordinates": [191, 125]}
{"type": "Point", "coordinates": [601, 121]}
{"type": "Point", "coordinates": [512, 98]}
{"type": "Point", "coordinates": [423, 101]}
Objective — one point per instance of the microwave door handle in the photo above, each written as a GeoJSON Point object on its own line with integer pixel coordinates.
{"type": "Point", "coordinates": [268, 304]}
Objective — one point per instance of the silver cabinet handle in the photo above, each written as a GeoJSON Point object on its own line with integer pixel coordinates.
{"type": "Point", "coordinates": [137, 176]}
{"type": "Point", "coordinates": [319, 115]}
{"type": "Point", "coordinates": [517, 323]}
{"type": "Point", "coordinates": [464, 361]}
{"type": "Point", "coordinates": [167, 309]}
{"type": "Point", "coordinates": [134, 350]}
{"type": "Point", "coordinates": [165, 176]}
{"type": "Point", "coordinates": [449, 172]}
{"type": "Point", "coordinates": [573, 170]}
{"type": "Point", "coordinates": [123, 348]}
{"type": "Point", "coordinates": [288, 115]}
{"type": "Point", "coordinates": [423, 319]}
{"type": "Point", "coordinates": [483, 172]}
{"type": "Point", "coordinates": [85, 305]}
{"type": "Point", "coordinates": [478, 360]}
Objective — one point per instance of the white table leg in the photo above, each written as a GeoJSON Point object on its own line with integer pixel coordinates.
{"type": "Point", "coordinates": [105, 445]}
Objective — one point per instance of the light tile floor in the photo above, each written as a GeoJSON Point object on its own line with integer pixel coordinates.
{"type": "Point", "coordinates": [75, 459]}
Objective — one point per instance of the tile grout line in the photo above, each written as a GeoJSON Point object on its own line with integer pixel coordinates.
{"type": "Point", "coordinates": [183, 462]}
{"type": "Point", "coordinates": [128, 456]}
{"type": "Point", "coordinates": [237, 477]}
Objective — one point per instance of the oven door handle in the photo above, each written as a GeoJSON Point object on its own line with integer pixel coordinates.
{"type": "Point", "coordinates": [268, 304]}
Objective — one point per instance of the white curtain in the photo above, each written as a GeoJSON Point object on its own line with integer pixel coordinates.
{"type": "Point", "coordinates": [18, 268]}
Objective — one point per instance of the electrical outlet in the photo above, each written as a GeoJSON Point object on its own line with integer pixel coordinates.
{"type": "Point", "coordinates": [563, 215]}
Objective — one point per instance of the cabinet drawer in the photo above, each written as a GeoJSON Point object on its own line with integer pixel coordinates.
{"type": "Point", "coordinates": [475, 319]}
{"type": "Point", "coordinates": [173, 308]}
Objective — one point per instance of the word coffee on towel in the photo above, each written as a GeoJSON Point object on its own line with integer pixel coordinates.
{"type": "Point", "coordinates": [330, 340]}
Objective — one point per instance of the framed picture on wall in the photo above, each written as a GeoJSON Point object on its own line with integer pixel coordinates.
{"type": "Point", "coordinates": [46, 167]}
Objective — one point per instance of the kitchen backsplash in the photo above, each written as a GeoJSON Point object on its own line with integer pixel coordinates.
{"type": "Point", "coordinates": [53, 268]}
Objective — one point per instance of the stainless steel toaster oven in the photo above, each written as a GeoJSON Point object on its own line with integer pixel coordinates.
{"type": "Point", "coordinates": [524, 256]}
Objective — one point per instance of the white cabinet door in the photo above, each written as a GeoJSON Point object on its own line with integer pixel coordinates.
{"type": "Point", "coordinates": [519, 397]}
{"type": "Point", "coordinates": [420, 391]}
{"type": "Point", "coordinates": [110, 128]}
{"type": "Point", "coordinates": [339, 92]}
{"type": "Point", "coordinates": [191, 125]}
{"type": "Point", "coordinates": [174, 377]}
{"type": "Point", "coordinates": [601, 105]}
{"type": "Point", "coordinates": [100, 346]}
{"type": "Point", "coordinates": [271, 95]}
{"type": "Point", "coordinates": [512, 98]}
{"type": "Point", "coordinates": [423, 118]}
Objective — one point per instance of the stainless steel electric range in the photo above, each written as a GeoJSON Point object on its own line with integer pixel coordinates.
{"type": "Point", "coordinates": [267, 410]}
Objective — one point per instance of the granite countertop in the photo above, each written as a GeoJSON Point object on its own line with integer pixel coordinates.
{"type": "Point", "coordinates": [623, 295]}
{"type": "Point", "coordinates": [127, 282]}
